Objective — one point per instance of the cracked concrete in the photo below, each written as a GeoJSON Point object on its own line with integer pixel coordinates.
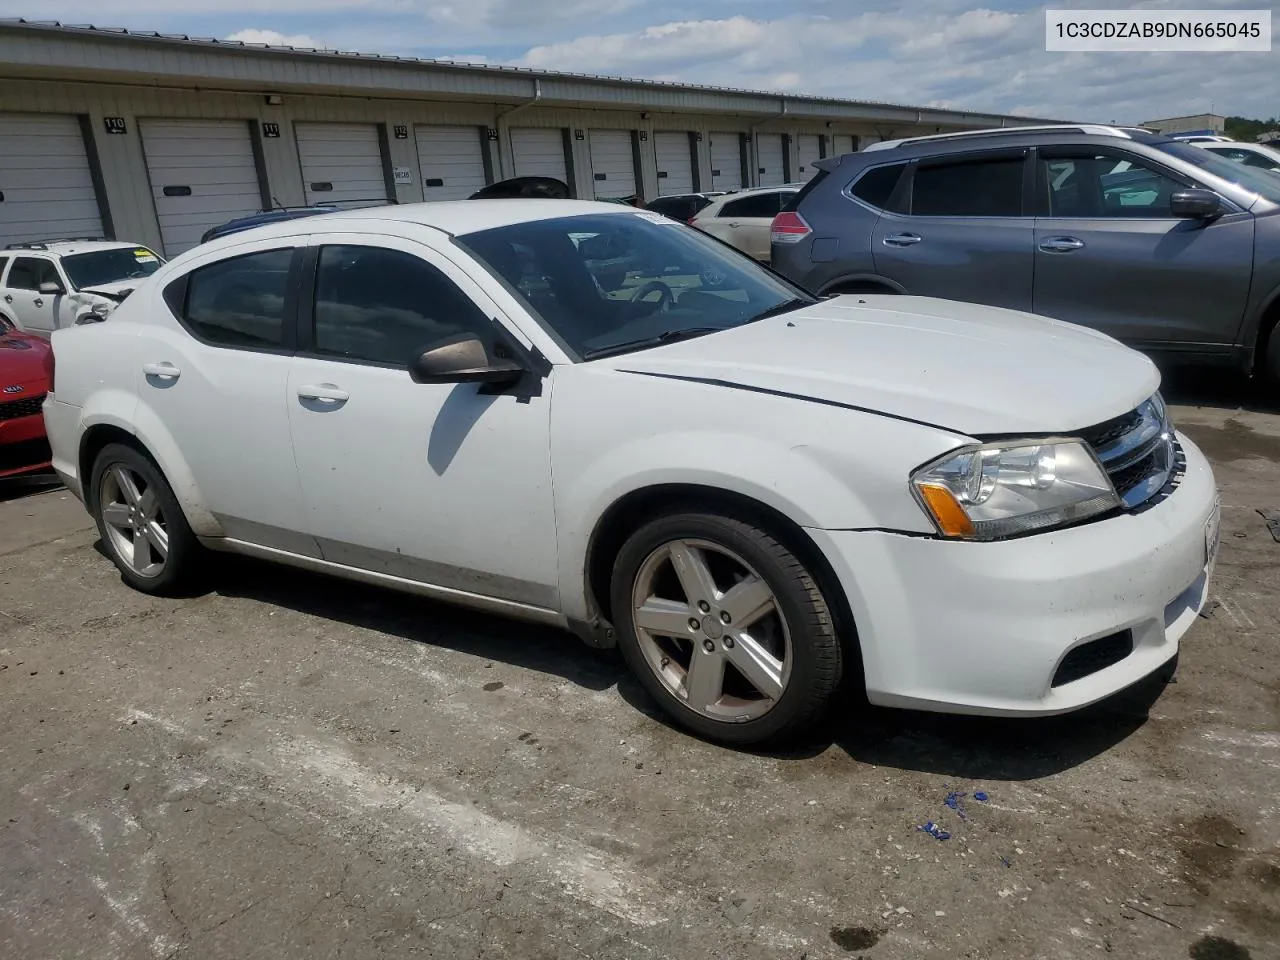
{"type": "Point", "coordinates": [292, 767]}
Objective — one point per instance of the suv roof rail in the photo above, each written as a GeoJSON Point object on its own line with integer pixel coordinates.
{"type": "Point", "coordinates": [1093, 129]}
{"type": "Point", "coordinates": [44, 244]}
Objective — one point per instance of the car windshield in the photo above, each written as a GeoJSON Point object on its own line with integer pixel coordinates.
{"type": "Point", "coordinates": [109, 266]}
{"type": "Point", "coordinates": [607, 283]}
{"type": "Point", "coordinates": [1262, 182]}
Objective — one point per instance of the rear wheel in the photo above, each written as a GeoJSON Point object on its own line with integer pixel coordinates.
{"type": "Point", "coordinates": [725, 628]}
{"type": "Point", "coordinates": [141, 523]}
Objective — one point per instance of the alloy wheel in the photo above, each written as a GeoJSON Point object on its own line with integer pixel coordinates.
{"type": "Point", "coordinates": [134, 520]}
{"type": "Point", "coordinates": [712, 630]}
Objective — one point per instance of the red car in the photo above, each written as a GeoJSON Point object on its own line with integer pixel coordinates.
{"type": "Point", "coordinates": [26, 371]}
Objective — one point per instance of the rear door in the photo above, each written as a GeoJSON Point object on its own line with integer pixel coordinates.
{"type": "Point", "coordinates": [1110, 254]}
{"type": "Point", "coordinates": [966, 236]}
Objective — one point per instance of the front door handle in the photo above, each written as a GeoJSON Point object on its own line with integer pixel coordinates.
{"type": "Point", "coordinates": [902, 239]}
{"type": "Point", "coordinates": [38, 302]}
{"type": "Point", "coordinates": [8, 298]}
{"type": "Point", "coordinates": [164, 370]}
{"type": "Point", "coordinates": [1060, 244]}
{"type": "Point", "coordinates": [324, 392]}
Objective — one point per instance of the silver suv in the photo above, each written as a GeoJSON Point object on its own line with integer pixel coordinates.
{"type": "Point", "coordinates": [1161, 244]}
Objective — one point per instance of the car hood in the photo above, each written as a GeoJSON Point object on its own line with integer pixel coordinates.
{"type": "Point", "coordinates": [21, 360]}
{"type": "Point", "coordinates": [968, 368]}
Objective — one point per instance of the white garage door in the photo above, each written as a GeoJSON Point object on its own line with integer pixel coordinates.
{"type": "Point", "coordinates": [726, 161]}
{"type": "Point", "coordinates": [844, 144]}
{"type": "Point", "coordinates": [613, 164]}
{"type": "Point", "coordinates": [451, 160]}
{"type": "Point", "coordinates": [539, 152]}
{"type": "Point", "coordinates": [807, 145]}
{"type": "Point", "coordinates": [202, 175]}
{"type": "Point", "coordinates": [675, 163]}
{"type": "Point", "coordinates": [341, 161]}
{"type": "Point", "coordinates": [771, 170]}
{"type": "Point", "coordinates": [46, 190]}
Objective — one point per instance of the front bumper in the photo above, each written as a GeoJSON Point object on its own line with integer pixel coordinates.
{"type": "Point", "coordinates": [983, 627]}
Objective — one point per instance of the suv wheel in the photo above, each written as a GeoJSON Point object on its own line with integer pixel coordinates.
{"type": "Point", "coordinates": [141, 523]}
{"type": "Point", "coordinates": [725, 628]}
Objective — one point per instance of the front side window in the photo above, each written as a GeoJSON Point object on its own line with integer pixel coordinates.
{"type": "Point", "coordinates": [1262, 182]}
{"type": "Point", "coordinates": [1104, 184]}
{"type": "Point", "coordinates": [110, 266]}
{"type": "Point", "coordinates": [968, 188]}
{"type": "Point", "coordinates": [599, 282]}
{"type": "Point", "coordinates": [375, 305]}
{"type": "Point", "coordinates": [760, 206]}
{"type": "Point", "coordinates": [240, 302]}
{"type": "Point", "coordinates": [27, 273]}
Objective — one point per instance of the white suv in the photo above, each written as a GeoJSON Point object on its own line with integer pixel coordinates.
{"type": "Point", "coordinates": [752, 492]}
{"type": "Point", "coordinates": [744, 219]}
{"type": "Point", "coordinates": [50, 284]}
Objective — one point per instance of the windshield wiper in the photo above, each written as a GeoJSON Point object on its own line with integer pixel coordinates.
{"type": "Point", "coordinates": [786, 306]}
{"type": "Point", "coordinates": [667, 336]}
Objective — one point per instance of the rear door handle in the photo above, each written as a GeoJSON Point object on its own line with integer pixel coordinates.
{"type": "Point", "coordinates": [163, 370]}
{"type": "Point", "coordinates": [902, 239]}
{"type": "Point", "coordinates": [1060, 244]}
{"type": "Point", "coordinates": [324, 392]}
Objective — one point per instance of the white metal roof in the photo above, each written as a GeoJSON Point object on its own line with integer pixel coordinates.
{"type": "Point", "coordinates": [65, 248]}
{"type": "Point", "coordinates": [799, 103]}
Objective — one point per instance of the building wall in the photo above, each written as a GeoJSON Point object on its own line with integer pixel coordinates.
{"type": "Point", "coordinates": [1201, 121]}
{"type": "Point", "coordinates": [128, 191]}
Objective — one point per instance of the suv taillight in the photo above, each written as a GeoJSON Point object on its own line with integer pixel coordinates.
{"type": "Point", "coordinates": [788, 227]}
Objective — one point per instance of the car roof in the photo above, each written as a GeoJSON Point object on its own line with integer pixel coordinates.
{"type": "Point", "coordinates": [453, 217]}
{"type": "Point", "coordinates": [63, 248]}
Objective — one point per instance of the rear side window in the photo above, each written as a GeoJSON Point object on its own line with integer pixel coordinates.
{"type": "Point", "coordinates": [678, 208]}
{"type": "Point", "coordinates": [240, 302]}
{"type": "Point", "coordinates": [971, 188]}
{"type": "Point", "coordinates": [876, 186]}
{"type": "Point", "coordinates": [760, 205]}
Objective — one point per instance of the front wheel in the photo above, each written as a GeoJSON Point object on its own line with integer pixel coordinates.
{"type": "Point", "coordinates": [725, 628]}
{"type": "Point", "coordinates": [140, 522]}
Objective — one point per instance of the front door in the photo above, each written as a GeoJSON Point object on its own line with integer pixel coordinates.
{"type": "Point", "coordinates": [966, 237]}
{"type": "Point", "coordinates": [36, 312]}
{"type": "Point", "coordinates": [1110, 254]}
{"type": "Point", "coordinates": [436, 483]}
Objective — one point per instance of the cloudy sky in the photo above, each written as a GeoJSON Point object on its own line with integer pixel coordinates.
{"type": "Point", "coordinates": [958, 53]}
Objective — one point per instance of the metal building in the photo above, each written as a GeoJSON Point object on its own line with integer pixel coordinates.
{"type": "Point", "coordinates": [153, 138]}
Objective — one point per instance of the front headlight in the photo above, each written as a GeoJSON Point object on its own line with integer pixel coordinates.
{"type": "Point", "coordinates": [1008, 488]}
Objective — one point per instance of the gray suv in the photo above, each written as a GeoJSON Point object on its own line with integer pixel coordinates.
{"type": "Point", "coordinates": [1158, 243]}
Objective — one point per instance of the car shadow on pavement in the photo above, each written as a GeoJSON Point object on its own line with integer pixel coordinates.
{"type": "Point", "coordinates": [14, 488]}
{"type": "Point", "coordinates": [531, 646]}
{"type": "Point", "coordinates": [1219, 388]}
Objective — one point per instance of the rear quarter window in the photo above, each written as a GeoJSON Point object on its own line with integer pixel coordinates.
{"type": "Point", "coordinates": [876, 186]}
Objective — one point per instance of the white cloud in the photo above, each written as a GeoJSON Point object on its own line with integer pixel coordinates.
{"type": "Point", "coordinates": [274, 38]}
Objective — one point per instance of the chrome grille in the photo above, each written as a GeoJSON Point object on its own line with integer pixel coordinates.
{"type": "Point", "coordinates": [25, 407]}
{"type": "Point", "coordinates": [1138, 450]}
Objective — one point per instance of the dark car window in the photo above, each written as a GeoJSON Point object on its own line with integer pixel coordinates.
{"type": "Point", "coordinates": [599, 280]}
{"type": "Point", "coordinates": [4, 262]}
{"type": "Point", "coordinates": [968, 188]}
{"type": "Point", "coordinates": [679, 208]}
{"type": "Point", "coordinates": [1104, 184]}
{"type": "Point", "coordinates": [1262, 182]}
{"type": "Point", "coordinates": [758, 205]}
{"type": "Point", "coordinates": [27, 273]}
{"type": "Point", "coordinates": [384, 306]}
{"type": "Point", "coordinates": [876, 186]}
{"type": "Point", "coordinates": [110, 266]}
{"type": "Point", "coordinates": [240, 302]}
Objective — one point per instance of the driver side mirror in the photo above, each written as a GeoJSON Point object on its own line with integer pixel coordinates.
{"type": "Point", "coordinates": [1197, 204]}
{"type": "Point", "coordinates": [463, 359]}
{"type": "Point", "coordinates": [51, 288]}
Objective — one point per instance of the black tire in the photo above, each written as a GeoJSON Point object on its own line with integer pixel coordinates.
{"type": "Point", "coordinates": [185, 555]}
{"type": "Point", "coordinates": [816, 655]}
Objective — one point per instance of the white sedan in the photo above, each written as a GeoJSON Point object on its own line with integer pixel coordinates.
{"type": "Point", "coordinates": [543, 408]}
